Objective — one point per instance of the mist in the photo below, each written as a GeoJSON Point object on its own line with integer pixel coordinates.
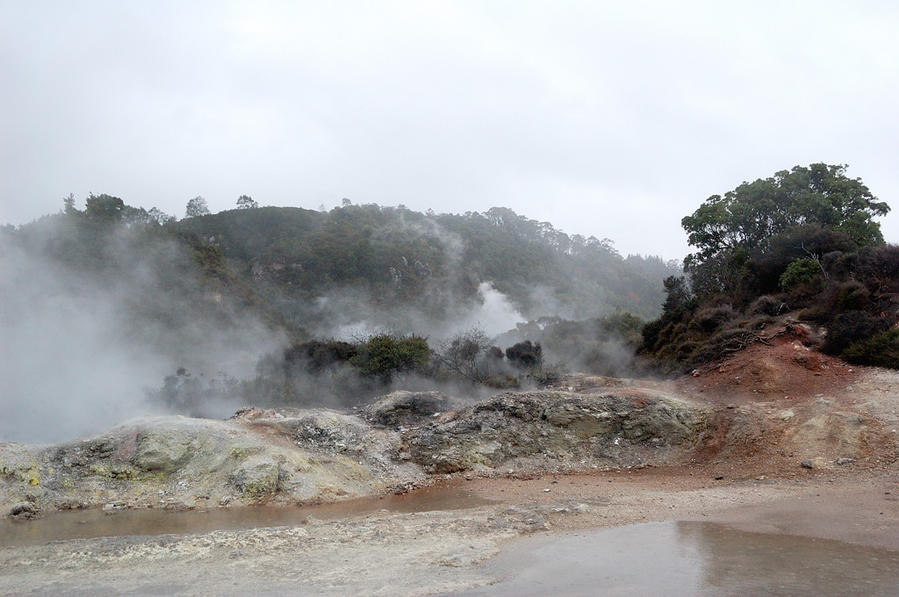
{"type": "Point", "coordinates": [84, 350]}
{"type": "Point", "coordinates": [78, 355]}
{"type": "Point", "coordinates": [114, 312]}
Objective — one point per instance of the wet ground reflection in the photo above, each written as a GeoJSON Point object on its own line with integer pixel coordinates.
{"type": "Point", "coordinates": [80, 524]}
{"type": "Point", "coordinates": [691, 558]}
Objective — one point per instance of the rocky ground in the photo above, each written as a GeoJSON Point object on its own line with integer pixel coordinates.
{"type": "Point", "coordinates": [311, 456]}
{"type": "Point", "coordinates": [776, 432]}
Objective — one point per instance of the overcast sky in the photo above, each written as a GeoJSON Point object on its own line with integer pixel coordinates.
{"type": "Point", "coordinates": [606, 119]}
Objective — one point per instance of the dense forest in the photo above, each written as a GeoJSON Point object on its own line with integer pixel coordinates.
{"type": "Point", "coordinates": [315, 270]}
{"type": "Point", "coordinates": [387, 265]}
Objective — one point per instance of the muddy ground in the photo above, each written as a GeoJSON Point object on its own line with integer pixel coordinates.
{"type": "Point", "coordinates": [777, 438]}
{"type": "Point", "coordinates": [435, 552]}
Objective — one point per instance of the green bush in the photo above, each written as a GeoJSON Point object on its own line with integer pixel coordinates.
{"type": "Point", "coordinates": [881, 350]}
{"type": "Point", "coordinates": [804, 270]}
{"type": "Point", "coordinates": [384, 355]}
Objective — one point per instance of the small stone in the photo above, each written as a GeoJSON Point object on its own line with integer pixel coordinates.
{"type": "Point", "coordinates": [842, 461]}
{"type": "Point", "coordinates": [546, 490]}
{"type": "Point", "coordinates": [23, 510]}
{"type": "Point", "coordinates": [807, 464]}
{"type": "Point", "coordinates": [718, 477]}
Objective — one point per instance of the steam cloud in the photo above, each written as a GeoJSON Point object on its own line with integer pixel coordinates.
{"type": "Point", "coordinates": [74, 361]}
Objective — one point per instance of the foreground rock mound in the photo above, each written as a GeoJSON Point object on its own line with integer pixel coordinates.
{"type": "Point", "coordinates": [177, 462]}
{"type": "Point", "coordinates": [306, 456]}
{"type": "Point", "coordinates": [557, 430]}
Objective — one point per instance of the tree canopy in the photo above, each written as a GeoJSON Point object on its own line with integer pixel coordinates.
{"type": "Point", "coordinates": [246, 202]}
{"type": "Point", "coordinates": [747, 217]}
{"type": "Point", "coordinates": [196, 207]}
{"type": "Point", "coordinates": [802, 242]}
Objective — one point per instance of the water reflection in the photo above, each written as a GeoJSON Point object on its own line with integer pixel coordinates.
{"type": "Point", "coordinates": [739, 563]}
{"type": "Point", "coordinates": [691, 558]}
{"type": "Point", "coordinates": [80, 524]}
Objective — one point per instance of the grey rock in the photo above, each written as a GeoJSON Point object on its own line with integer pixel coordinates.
{"type": "Point", "coordinates": [552, 425]}
{"type": "Point", "coordinates": [256, 478]}
{"type": "Point", "coordinates": [23, 510]}
{"type": "Point", "coordinates": [405, 408]}
{"type": "Point", "coordinates": [161, 450]}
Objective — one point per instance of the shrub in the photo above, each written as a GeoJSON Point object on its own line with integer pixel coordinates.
{"type": "Point", "coordinates": [768, 305]}
{"type": "Point", "coordinates": [470, 356]}
{"type": "Point", "coordinates": [622, 325]}
{"type": "Point", "coordinates": [544, 376]}
{"type": "Point", "coordinates": [852, 296]}
{"type": "Point", "coordinates": [385, 355]}
{"type": "Point", "coordinates": [804, 270]}
{"type": "Point", "coordinates": [525, 355]}
{"type": "Point", "coordinates": [650, 333]}
{"type": "Point", "coordinates": [709, 319]}
{"type": "Point", "coordinates": [850, 328]}
{"type": "Point", "coordinates": [880, 350]}
{"type": "Point", "coordinates": [685, 350]}
{"type": "Point", "coordinates": [316, 355]}
{"type": "Point", "coordinates": [758, 322]}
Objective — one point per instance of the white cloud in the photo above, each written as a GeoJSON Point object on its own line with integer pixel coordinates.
{"type": "Point", "coordinates": [613, 114]}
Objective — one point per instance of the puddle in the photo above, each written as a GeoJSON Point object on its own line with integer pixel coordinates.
{"type": "Point", "coordinates": [690, 558]}
{"type": "Point", "coordinates": [82, 524]}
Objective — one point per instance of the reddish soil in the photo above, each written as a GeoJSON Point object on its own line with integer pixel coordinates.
{"type": "Point", "coordinates": [780, 403]}
{"type": "Point", "coordinates": [786, 370]}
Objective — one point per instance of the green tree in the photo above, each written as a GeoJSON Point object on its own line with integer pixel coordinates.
{"type": "Point", "coordinates": [246, 202]}
{"type": "Point", "coordinates": [159, 217]}
{"type": "Point", "coordinates": [728, 230]}
{"type": "Point", "coordinates": [69, 205]}
{"type": "Point", "coordinates": [196, 207]}
{"type": "Point", "coordinates": [677, 293]}
{"type": "Point", "coordinates": [104, 208]}
{"type": "Point", "coordinates": [752, 213]}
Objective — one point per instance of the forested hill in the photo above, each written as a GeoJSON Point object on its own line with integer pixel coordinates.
{"type": "Point", "coordinates": [437, 263]}
{"type": "Point", "coordinates": [351, 270]}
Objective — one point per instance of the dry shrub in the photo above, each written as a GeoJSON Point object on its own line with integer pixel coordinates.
{"type": "Point", "coordinates": [709, 319]}
{"type": "Point", "coordinates": [768, 305]}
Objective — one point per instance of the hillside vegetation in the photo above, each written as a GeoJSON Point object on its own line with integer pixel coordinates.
{"type": "Point", "coordinates": [802, 242]}
{"type": "Point", "coordinates": [292, 306]}
{"type": "Point", "coordinates": [309, 269]}
{"type": "Point", "coordinates": [396, 258]}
